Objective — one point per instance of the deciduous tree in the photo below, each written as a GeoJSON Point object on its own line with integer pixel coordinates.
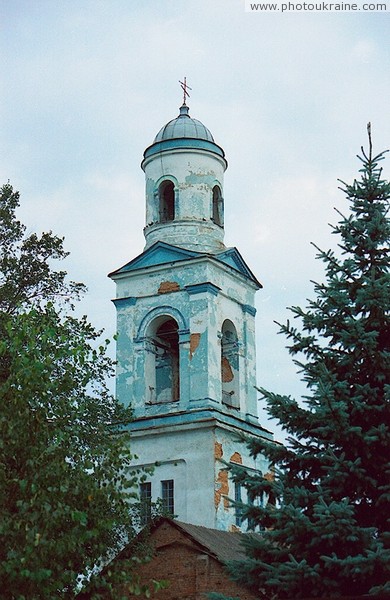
{"type": "Point", "coordinates": [65, 467]}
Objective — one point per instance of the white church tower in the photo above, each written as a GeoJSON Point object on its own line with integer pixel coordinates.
{"type": "Point", "coordinates": [186, 350]}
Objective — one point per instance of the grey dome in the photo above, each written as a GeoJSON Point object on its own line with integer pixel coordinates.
{"type": "Point", "coordinates": [184, 127]}
{"type": "Point", "coordinates": [183, 134]}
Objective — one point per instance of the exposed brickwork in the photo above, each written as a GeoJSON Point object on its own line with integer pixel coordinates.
{"type": "Point", "coordinates": [227, 372]}
{"type": "Point", "coordinates": [190, 569]}
{"type": "Point", "coordinates": [222, 489]}
{"type": "Point", "coordinates": [194, 343]}
{"type": "Point", "coordinates": [168, 286]}
{"type": "Point", "coordinates": [218, 450]}
{"type": "Point", "coordinates": [236, 458]}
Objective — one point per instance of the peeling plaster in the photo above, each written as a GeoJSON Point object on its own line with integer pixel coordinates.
{"type": "Point", "coordinates": [236, 458]}
{"type": "Point", "coordinates": [194, 343]}
{"type": "Point", "coordinates": [218, 451]}
{"type": "Point", "coordinates": [227, 372]}
{"type": "Point", "coordinates": [201, 479]}
{"type": "Point", "coordinates": [223, 490]}
{"type": "Point", "coordinates": [168, 286]}
{"type": "Point", "coordinates": [207, 178]}
{"type": "Point", "coordinates": [222, 481]}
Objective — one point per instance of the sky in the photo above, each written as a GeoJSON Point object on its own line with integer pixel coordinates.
{"type": "Point", "coordinates": [87, 84]}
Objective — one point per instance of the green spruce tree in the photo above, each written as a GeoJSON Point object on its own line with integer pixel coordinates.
{"type": "Point", "coordinates": [326, 528]}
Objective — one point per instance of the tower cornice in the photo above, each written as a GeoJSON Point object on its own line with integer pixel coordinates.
{"type": "Point", "coordinates": [176, 146]}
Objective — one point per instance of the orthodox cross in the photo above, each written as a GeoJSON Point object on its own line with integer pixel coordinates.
{"type": "Point", "coordinates": [185, 87]}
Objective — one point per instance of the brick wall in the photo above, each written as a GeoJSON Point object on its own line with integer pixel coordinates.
{"type": "Point", "coordinates": [191, 572]}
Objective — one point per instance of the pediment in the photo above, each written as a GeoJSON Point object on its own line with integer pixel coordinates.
{"type": "Point", "coordinates": [233, 258]}
{"type": "Point", "coordinates": [158, 254]}
{"type": "Point", "coordinates": [162, 253]}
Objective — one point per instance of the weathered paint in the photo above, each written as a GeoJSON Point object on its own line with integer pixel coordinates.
{"type": "Point", "coordinates": [168, 286]}
{"type": "Point", "coordinates": [202, 314]}
{"type": "Point", "coordinates": [222, 489]}
{"type": "Point", "coordinates": [218, 450]}
{"type": "Point", "coordinates": [236, 458]}
{"type": "Point", "coordinates": [186, 356]}
{"type": "Point", "coordinates": [194, 343]}
{"type": "Point", "coordinates": [227, 373]}
{"type": "Point", "coordinates": [239, 454]}
{"type": "Point", "coordinates": [194, 173]}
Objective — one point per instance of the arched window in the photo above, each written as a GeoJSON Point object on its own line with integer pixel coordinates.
{"type": "Point", "coordinates": [165, 386]}
{"type": "Point", "coordinates": [217, 206]}
{"type": "Point", "coordinates": [230, 365]}
{"type": "Point", "coordinates": [166, 193]}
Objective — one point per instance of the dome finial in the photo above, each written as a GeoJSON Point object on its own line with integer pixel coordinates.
{"type": "Point", "coordinates": [185, 87]}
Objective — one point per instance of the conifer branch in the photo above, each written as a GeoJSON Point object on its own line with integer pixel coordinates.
{"type": "Point", "coordinates": [369, 141]}
{"type": "Point", "coordinates": [333, 261]}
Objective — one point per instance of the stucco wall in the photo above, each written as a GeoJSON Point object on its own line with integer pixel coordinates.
{"type": "Point", "coordinates": [194, 456]}
{"type": "Point", "coordinates": [228, 449]}
{"type": "Point", "coordinates": [194, 174]}
{"type": "Point", "coordinates": [200, 313]}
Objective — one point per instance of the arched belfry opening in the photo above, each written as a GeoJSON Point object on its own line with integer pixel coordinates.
{"type": "Point", "coordinates": [230, 365]}
{"type": "Point", "coordinates": [217, 215]}
{"type": "Point", "coordinates": [162, 369]}
{"type": "Point", "coordinates": [166, 194]}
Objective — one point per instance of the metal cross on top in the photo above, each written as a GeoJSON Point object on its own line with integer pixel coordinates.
{"type": "Point", "coordinates": [185, 87]}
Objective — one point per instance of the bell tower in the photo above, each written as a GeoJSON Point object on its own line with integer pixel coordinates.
{"type": "Point", "coordinates": [184, 171]}
{"type": "Point", "coordinates": [186, 355]}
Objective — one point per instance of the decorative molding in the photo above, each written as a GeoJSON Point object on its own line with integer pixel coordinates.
{"type": "Point", "coordinates": [247, 308]}
{"type": "Point", "coordinates": [122, 302]}
{"type": "Point", "coordinates": [200, 288]}
{"type": "Point", "coordinates": [160, 311]}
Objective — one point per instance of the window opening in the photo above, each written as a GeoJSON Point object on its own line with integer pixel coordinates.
{"type": "Point", "coordinates": [238, 509]}
{"type": "Point", "coordinates": [229, 365]}
{"type": "Point", "coordinates": [251, 520]}
{"type": "Point", "coordinates": [167, 495]}
{"type": "Point", "coordinates": [167, 201]}
{"type": "Point", "coordinates": [217, 205]}
{"type": "Point", "coordinates": [145, 495]}
{"type": "Point", "coordinates": [166, 343]}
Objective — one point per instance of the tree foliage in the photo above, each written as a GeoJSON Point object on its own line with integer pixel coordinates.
{"type": "Point", "coordinates": [328, 534]}
{"type": "Point", "coordinates": [65, 467]}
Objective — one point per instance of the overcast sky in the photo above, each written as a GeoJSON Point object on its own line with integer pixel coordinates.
{"type": "Point", "coordinates": [86, 85]}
